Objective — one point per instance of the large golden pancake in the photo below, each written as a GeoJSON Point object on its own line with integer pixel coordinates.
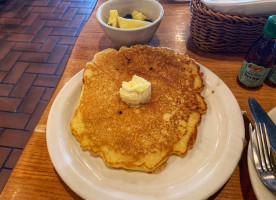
{"type": "Point", "coordinates": [139, 138]}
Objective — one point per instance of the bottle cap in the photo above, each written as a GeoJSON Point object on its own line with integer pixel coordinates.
{"type": "Point", "coordinates": [270, 27]}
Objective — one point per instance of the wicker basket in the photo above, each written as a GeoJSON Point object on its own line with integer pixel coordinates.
{"type": "Point", "coordinates": [213, 31]}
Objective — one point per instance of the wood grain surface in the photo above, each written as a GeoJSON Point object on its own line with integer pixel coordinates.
{"type": "Point", "coordinates": [34, 176]}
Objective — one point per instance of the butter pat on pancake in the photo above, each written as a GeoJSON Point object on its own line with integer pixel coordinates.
{"type": "Point", "coordinates": [135, 92]}
{"type": "Point", "coordinates": [139, 138]}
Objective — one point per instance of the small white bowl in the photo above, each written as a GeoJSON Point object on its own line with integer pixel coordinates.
{"type": "Point", "coordinates": [127, 37]}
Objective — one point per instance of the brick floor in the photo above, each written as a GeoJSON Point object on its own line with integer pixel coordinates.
{"type": "Point", "coordinates": [36, 38]}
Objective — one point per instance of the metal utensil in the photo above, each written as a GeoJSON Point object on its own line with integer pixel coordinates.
{"type": "Point", "coordinates": [261, 155]}
{"type": "Point", "coordinates": [260, 116]}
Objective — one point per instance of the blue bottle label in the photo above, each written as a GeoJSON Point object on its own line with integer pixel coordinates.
{"type": "Point", "coordinates": [252, 75]}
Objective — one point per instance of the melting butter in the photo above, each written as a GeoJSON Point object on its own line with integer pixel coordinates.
{"type": "Point", "coordinates": [135, 92]}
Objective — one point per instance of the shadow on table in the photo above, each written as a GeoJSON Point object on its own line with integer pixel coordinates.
{"type": "Point", "coordinates": [223, 56]}
{"type": "Point", "coordinates": [105, 42]}
{"type": "Point", "coordinates": [247, 189]}
{"type": "Point", "coordinates": [69, 191]}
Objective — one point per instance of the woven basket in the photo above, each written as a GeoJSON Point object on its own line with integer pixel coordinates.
{"type": "Point", "coordinates": [213, 31]}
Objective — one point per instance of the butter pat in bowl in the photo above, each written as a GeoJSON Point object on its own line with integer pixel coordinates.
{"type": "Point", "coordinates": [127, 37]}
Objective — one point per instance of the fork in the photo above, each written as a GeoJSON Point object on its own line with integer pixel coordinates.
{"type": "Point", "coordinates": [261, 155]}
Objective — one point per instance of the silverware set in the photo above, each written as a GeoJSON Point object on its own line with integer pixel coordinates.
{"type": "Point", "coordinates": [261, 153]}
{"type": "Point", "coordinates": [262, 143]}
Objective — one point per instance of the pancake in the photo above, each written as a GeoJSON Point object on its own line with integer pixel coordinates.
{"type": "Point", "coordinates": [139, 138]}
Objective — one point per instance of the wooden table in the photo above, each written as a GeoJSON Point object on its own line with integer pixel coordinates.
{"type": "Point", "coordinates": [34, 176]}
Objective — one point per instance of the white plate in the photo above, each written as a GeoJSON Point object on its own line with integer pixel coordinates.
{"type": "Point", "coordinates": [198, 175]}
{"type": "Point", "coordinates": [261, 192]}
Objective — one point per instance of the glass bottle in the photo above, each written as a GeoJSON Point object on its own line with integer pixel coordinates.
{"type": "Point", "coordinates": [259, 59]}
{"type": "Point", "coordinates": [271, 78]}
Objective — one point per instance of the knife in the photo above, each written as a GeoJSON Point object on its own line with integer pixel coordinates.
{"type": "Point", "coordinates": [260, 116]}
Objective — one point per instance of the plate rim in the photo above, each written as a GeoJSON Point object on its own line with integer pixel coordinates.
{"type": "Point", "coordinates": [218, 184]}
